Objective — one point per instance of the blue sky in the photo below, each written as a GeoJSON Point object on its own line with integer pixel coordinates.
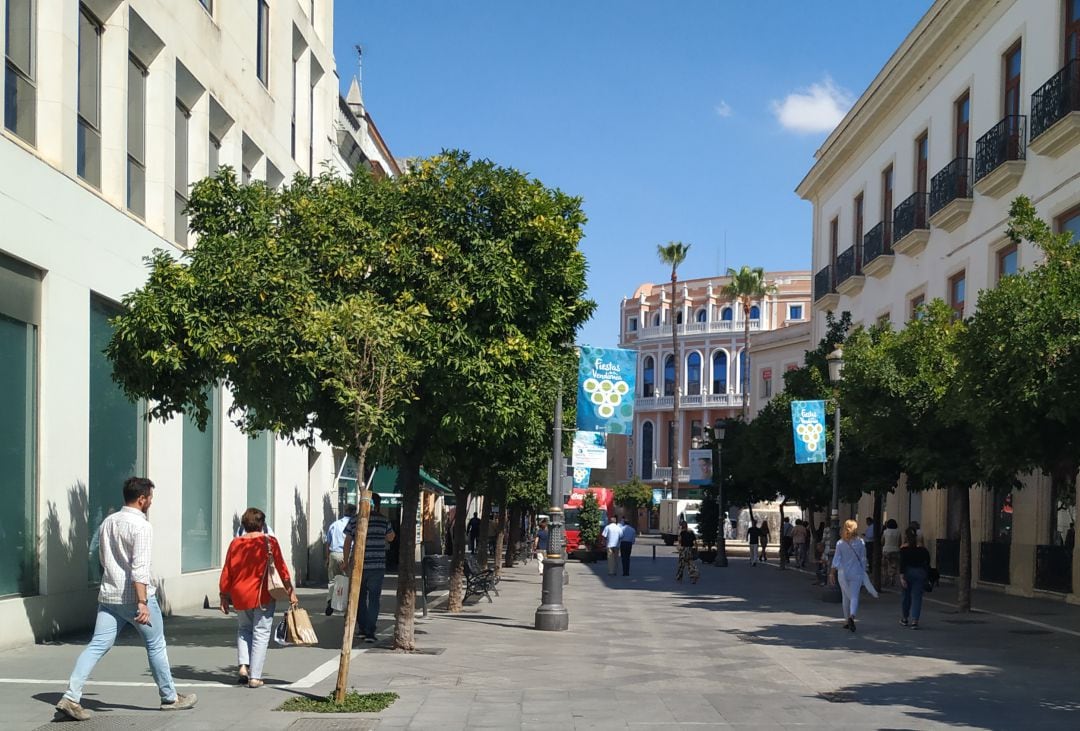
{"type": "Point", "coordinates": [693, 125]}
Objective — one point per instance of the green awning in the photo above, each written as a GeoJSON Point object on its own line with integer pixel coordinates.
{"type": "Point", "coordinates": [385, 482]}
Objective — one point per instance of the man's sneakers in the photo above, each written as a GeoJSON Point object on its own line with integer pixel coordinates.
{"type": "Point", "coordinates": [329, 609]}
{"type": "Point", "coordinates": [370, 639]}
{"type": "Point", "coordinates": [182, 703]}
{"type": "Point", "coordinates": [72, 710]}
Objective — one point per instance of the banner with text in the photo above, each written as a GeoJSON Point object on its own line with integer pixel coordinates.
{"type": "Point", "coordinates": [605, 400]}
{"type": "Point", "coordinates": [590, 449]}
{"type": "Point", "coordinates": [808, 425]}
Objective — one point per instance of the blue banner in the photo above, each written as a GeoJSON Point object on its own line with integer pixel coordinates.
{"type": "Point", "coordinates": [606, 378]}
{"type": "Point", "coordinates": [581, 476]}
{"type": "Point", "coordinates": [808, 426]}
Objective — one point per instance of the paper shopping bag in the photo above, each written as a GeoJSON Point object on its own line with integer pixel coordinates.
{"type": "Point", "coordinates": [300, 630]}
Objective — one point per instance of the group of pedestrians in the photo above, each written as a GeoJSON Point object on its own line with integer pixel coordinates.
{"type": "Point", "coordinates": [619, 537]}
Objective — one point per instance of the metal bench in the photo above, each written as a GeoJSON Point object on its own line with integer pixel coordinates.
{"type": "Point", "coordinates": [478, 582]}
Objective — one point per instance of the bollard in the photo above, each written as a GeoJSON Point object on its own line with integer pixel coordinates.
{"type": "Point", "coordinates": [654, 552]}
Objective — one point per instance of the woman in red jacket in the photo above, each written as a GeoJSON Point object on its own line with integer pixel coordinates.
{"type": "Point", "coordinates": [243, 583]}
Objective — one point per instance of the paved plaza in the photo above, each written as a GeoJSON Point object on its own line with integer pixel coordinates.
{"type": "Point", "coordinates": [744, 647]}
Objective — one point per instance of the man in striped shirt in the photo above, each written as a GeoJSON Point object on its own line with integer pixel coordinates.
{"type": "Point", "coordinates": [127, 596]}
{"type": "Point", "coordinates": [379, 533]}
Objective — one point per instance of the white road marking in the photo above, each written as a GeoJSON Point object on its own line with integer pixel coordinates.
{"type": "Point", "coordinates": [320, 673]}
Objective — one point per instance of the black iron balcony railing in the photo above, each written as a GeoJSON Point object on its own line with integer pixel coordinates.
{"type": "Point", "coordinates": [952, 183]}
{"type": "Point", "coordinates": [877, 242]}
{"type": "Point", "coordinates": [1056, 98]}
{"type": "Point", "coordinates": [849, 263]}
{"type": "Point", "coordinates": [823, 283]}
{"type": "Point", "coordinates": [1004, 142]}
{"type": "Point", "coordinates": [910, 216]}
{"type": "Point", "coordinates": [1053, 568]}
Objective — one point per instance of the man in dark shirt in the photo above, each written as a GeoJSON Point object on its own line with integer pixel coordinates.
{"type": "Point", "coordinates": [753, 535]}
{"type": "Point", "coordinates": [473, 531]}
{"type": "Point", "coordinates": [540, 544]}
{"type": "Point", "coordinates": [379, 533]}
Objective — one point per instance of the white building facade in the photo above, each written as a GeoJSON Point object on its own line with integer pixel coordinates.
{"type": "Point", "coordinates": [911, 194]}
{"type": "Point", "coordinates": [712, 352]}
{"type": "Point", "coordinates": [111, 110]}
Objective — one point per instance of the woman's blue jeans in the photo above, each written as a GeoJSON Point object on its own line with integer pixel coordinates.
{"type": "Point", "coordinates": [911, 604]}
{"type": "Point", "coordinates": [253, 630]}
{"type": "Point", "coordinates": [111, 619]}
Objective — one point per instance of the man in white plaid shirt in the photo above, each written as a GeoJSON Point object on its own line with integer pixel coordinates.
{"type": "Point", "coordinates": [127, 596]}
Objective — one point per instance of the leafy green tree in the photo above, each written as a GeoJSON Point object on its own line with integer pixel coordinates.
{"type": "Point", "coordinates": [674, 254]}
{"type": "Point", "coordinates": [747, 285]}
{"type": "Point", "coordinates": [633, 495]}
{"type": "Point", "coordinates": [590, 521]}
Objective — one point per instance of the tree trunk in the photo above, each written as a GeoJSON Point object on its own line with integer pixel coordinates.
{"type": "Point", "coordinates": [963, 584]}
{"type": "Point", "coordinates": [457, 559]}
{"type": "Point", "coordinates": [515, 536]}
{"type": "Point", "coordinates": [409, 487]}
{"type": "Point", "coordinates": [875, 560]}
{"type": "Point", "coordinates": [676, 403]}
{"type": "Point", "coordinates": [500, 539]}
{"type": "Point", "coordinates": [483, 534]}
{"type": "Point", "coordinates": [744, 369]}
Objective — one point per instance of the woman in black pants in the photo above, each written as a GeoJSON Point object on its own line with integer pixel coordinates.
{"type": "Point", "coordinates": [914, 572]}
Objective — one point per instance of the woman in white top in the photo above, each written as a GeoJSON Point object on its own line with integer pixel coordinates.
{"type": "Point", "coordinates": [849, 566]}
{"type": "Point", "coordinates": [890, 550]}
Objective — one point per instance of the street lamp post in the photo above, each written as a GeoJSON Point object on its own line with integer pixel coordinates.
{"type": "Point", "coordinates": [719, 427]}
{"type": "Point", "coordinates": [551, 615]}
{"type": "Point", "coordinates": [835, 360]}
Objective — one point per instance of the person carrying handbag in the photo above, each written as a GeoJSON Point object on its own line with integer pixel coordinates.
{"type": "Point", "coordinates": [849, 570]}
{"type": "Point", "coordinates": [253, 578]}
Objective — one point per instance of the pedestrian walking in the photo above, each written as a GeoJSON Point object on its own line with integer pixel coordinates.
{"type": "Point", "coordinates": [868, 538]}
{"type": "Point", "coordinates": [686, 554]}
{"type": "Point", "coordinates": [243, 584]}
{"type": "Point", "coordinates": [914, 573]}
{"type": "Point", "coordinates": [473, 531]}
{"type": "Point", "coordinates": [612, 537]}
{"type": "Point", "coordinates": [800, 539]}
{"type": "Point", "coordinates": [540, 545]}
{"type": "Point", "coordinates": [890, 551]}
{"type": "Point", "coordinates": [849, 569]}
{"type": "Point", "coordinates": [335, 552]}
{"type": "Point", "coordinates": [379, 534]}
{"type": "Point", "coordinates": [763, 538]}
{"type": "Point", "coordinates": [753, 539]}
{"type": "Point", "coordinates": [127, 596]}
{"type": "Point", "coordinates": [786, 542]}
{"type": "Point", "coordinates": [627, 536]}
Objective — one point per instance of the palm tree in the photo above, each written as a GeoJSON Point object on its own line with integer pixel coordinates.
{"type": "Point", "coordinates": [674, 253]}
{"type": "Point", "coordinates": [746, 285]}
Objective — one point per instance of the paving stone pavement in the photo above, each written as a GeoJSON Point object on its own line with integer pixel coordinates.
{"type": "Point", "coordinates": [751, 647]}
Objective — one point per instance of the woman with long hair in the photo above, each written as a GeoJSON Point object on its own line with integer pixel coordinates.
{"type": "Point", "coordinates": [686, 553]}
{"type": "Point", "coordinates": [849, 569]}
{"type": "Point", "coordinates": [243, 584]}
{"type": "Point", "coordinates": [914, 572]}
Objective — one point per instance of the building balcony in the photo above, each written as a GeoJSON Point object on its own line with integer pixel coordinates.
{"type": "Point", "coordinates": [695, 401]}
{"type": "Point", "coordinates": [911, 225]}
{"type": "Point", "coordinates": [849, 276]}
{"type": "Point", "coordinates": [825, 296]}
{"type": "Point", "coordinates": [663, 474]}
{"type": "Point", "coordinates": [950, 194]}
{"type": "Point", "coordinates": [1055, 112]}
{"type": "Point", "coordinates": [999, 157]}
{"type": "Point", "coordinates": [696, 328]}
{"type": "Point", "coordinates": [877, 250]}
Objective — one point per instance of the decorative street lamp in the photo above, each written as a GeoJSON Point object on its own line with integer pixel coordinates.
{"type": "Point", "coordinates": [551, 615]}
{"type": "Point", "coordinates": [719, 427]}
{"type": "Point", "coordinates": [835, 360]}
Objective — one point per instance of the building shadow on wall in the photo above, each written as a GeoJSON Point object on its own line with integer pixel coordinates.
{"type": "Point", "coordinates": [299, 536]}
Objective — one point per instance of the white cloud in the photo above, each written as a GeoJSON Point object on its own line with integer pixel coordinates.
{"type": "Point", "coordinates": [818, 108]}
{"type": "Point", "coordinates": [723, 109]}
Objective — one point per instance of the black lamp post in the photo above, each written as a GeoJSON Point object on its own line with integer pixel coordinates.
{"type": "Point", "coordinates": [719, 427]}
{"type": "Point", "coordinates": [551, 615]}
{"type": "Point", "coordinates": [835, 360]}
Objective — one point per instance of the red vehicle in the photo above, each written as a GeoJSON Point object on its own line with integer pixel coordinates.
{"type": "Point", "coordinates": [605, 499]}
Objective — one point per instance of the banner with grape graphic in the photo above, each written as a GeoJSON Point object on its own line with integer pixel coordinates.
{"type": "Point", "coordinates": [606, 390]}
{"type": "Point", "coordinates": [808, 425]}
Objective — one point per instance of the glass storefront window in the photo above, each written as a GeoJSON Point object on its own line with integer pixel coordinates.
{"type": "Point", "coordinates": [18, 366]}
{"type": "Point", "coordinates": [260, 474]}
{"type": "Point", "coordinates": [199, 514]}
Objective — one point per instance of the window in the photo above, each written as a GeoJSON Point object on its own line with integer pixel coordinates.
{"type": "Point", "coordinates": [693, 374]}
{"type": "Point", "coordinates": [632, 324]}
{"type": "Point", "coordinates": [136, 138]}
{"type": "Point", "coordinates": [656, 320]}
{"type": "Point", "coordinates": [198, 503]}
{"type": "Point", "coordinates": [1011, 87]}
{"type": "Point", "coordinates": [1070, 222]}
{"type": "Point", "coordinates": [19, 320]}
{"type": "Point", "coordinates": [245, 174]}
{"type": "Point", "coordinates": [260, 474]}
{"type": "Point", "coordinates": [884, 319]}
{"type": "Point", "coordinates": [1007, 261]}
{"type": "Point", "coordinates": [962, 125]}
{"type": "Point", "coordinates": [857, 222]}
{"type": "Point", "coordinates": [887, 203]}
{"type": "Point", "coordinates": [766, 383]}
{"type": "Point", "coordinates": [1072, 30]}
{"type": "Point", "coordinates": [20, 48]}
{"type": "Point", "coordinates": [262, 44]}
{"type": "Point", "coordinates": [648, 377]}
{"type": "Point", "coordinates": [922, 159]}
{"type": "Point", "coordinates": [292, 137]}
{"type": "Point", "coordinates": [957, 288]}
{"type": "Point", "coordinates": [1001, 517]}
{"type": "Point", "coordinates": [702, 315]}
{"type": "Point", "coordinates": [669, 375]}
{"type": "Point", "coordinates": [696, 434]}
{"type": "Point", "coordinates": [181, 177]}
{"type": "Point", "coordinates": [117, 429]}
{"type": "Point", "coordinates": [719, 372]}
{"type": "Point", "coordinates": [678, 317]}
{"type": "Point", "coordinates": [647, 453]}
{"type": "Point", "coordinates": [208, 4]}
{"type": "Point", "coordinates": [834, 242]}
{"type": "Point", "coordinates": [88, 148]}
{"type": "Point", "coordinates": [755, 313]}
{"type": "Point", "coordinates": [214, 155]}
{"type": "Point", "coordinates": [795, 312]}
{"type": "Point", "coordinates": [744, 367]}
{"type": "Point", "coordinates": [311, 131]}
{"type": "Point", "coordinates": [726, 314]}
{"type": "Point", "coordinates": [916, 303]}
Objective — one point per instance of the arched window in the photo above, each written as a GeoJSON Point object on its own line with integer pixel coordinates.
{"type": "Point", "coordinates": [678, 318]}
{"type": "Point", "coordinates": [726, 314]}
{"type": "Point", "coordinates": [693, 374]}
{"type": "Point", "coordinates": [656, 320]}
{"type": "Point", "coordinates": [719, 372]}
{"type": "Point", "coordinates": [702, 315]}
{"type": "Point", "coordinates": [646, 450]}
{"type": "Point", "coordinates": [744, 365]}
{"type": "Point", "coordinates": [669, 375]}
{"type": "Point", "coordinates": [755, 313]}
{"type": "Point", "coordinates": [648, 378]}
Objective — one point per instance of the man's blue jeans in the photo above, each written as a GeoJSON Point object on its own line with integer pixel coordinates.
{"type": "Point", "coordinates": [370, 593]}
{"type": "Point", "coordinates": [111, 619]}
